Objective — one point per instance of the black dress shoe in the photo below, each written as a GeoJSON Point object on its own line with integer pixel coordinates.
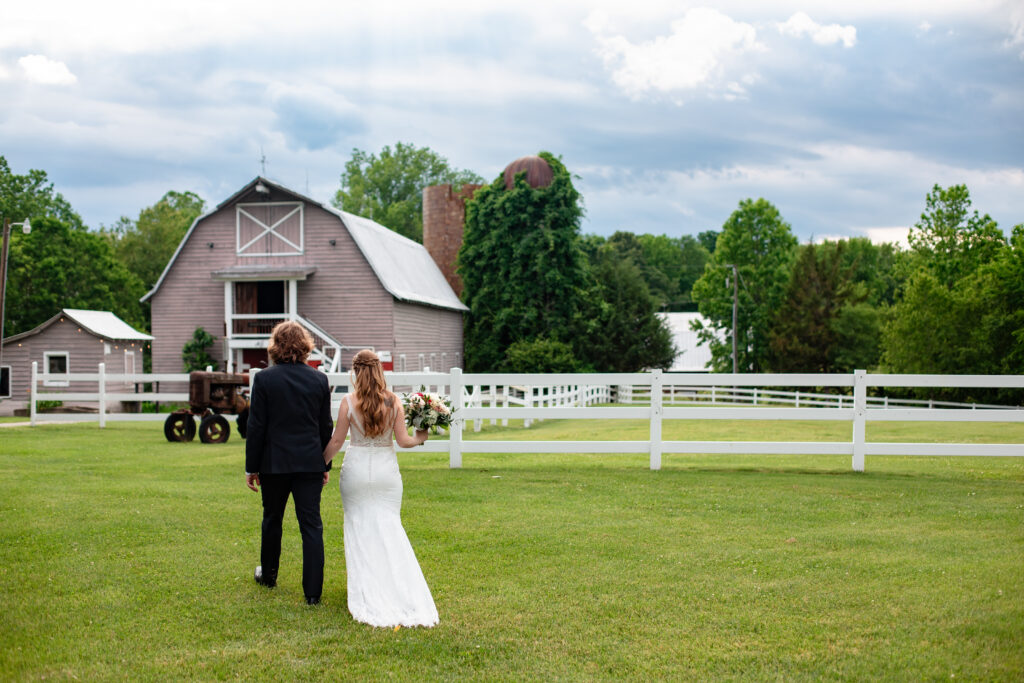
{"type": "Point", "coordinates": [268, 581]}
{"type": "Point", "coordinates": [312, 601]}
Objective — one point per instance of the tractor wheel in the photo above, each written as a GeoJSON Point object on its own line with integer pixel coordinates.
{"type": "Point", "coordinates": [179, 427]}
{"type": "Point", "coordinates": [242, 421]}
{"type": "Point", "coordinates": [214, 429]}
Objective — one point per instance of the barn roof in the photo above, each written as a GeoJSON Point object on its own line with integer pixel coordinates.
{"type": "Point", "coordinates": [98, 323]}
{"type": "Point", "coordinates": [404, 267]}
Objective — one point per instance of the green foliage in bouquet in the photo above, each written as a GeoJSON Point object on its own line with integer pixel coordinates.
{"type": "Point", "coordinates": [427, 411]}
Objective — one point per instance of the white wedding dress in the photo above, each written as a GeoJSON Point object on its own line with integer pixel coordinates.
{"type": "Point", "coordinates": [385, 584]}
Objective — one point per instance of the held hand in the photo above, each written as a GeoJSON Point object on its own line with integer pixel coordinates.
{"type": "Point", "coordinates": [252, 481]}
{"type": "Point", "coordinates": [422, 435]}
{"type": "Point", "coordinates": [327, 478]}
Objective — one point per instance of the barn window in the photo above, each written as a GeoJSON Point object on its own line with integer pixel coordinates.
{"type": "Point", "coordinates": [5, 381]}
{"type": "Point", "coordinates": [421, 362]}
{"type": "Point", "coordinates": [433, 362]}
{"type": "Point", "coordinates": [55, 363]}
{"type": "Point", "coordinates": [401, 362]}
{"type": "Point", "coordinates": [458, 359]}
{"type": "Point", "coordinates": [444, 362]}
{"type": "Point", "coordinates": [269, 229]}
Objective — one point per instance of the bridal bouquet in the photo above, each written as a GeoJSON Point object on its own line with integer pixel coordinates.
{"type": "Point", "coordinates": [427, 411]}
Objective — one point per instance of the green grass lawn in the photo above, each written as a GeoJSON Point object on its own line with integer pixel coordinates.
{"type": "Point", "coordinates": [123, 556]}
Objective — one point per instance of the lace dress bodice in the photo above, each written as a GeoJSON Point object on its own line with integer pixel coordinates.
{"type": "Point", "coordinates": [383, 440]}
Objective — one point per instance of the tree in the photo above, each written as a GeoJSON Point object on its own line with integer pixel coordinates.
{"type": "Point", "coordinates": [196, 352]}
{"type": "Point", "coordinates": [389, 188]}
{"type": "Point", "coordinates": [708, 239]}
{"type": "Point", "coordinates": [961, 310]}
{"type": "Point", "coordinates": [147, 244]}
{"type": "Point", "coordinates": [948, 241]}
{"type": "Point", "coordinates": [521, 265]}
{"type": "Point", "coordinates": [695, 259]}
{"type": "Point", "coordinates": [57, 266]}
{"type": "Point", "coordinates": [760, 244]}
{"type": "Point", "coordinates": [622, 331]}
{"type": "Point", "coordinates": [540, 355]}
{"type": "Point", "coordinates": [806, 332]}
{"type": "Point", "coordinates": [32, 196]}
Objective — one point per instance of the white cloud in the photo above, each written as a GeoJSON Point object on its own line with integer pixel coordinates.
{"type": "Point", "coordinates": [895, 235]}
{"type": "Point", "coordinates": [1016, 37]}
{"type": "Point", "coordinates": [800, 25]}
{"type": "Point", "coordinates": [42, 69]}
{"type": "Point", "coordinates": [695, 54]}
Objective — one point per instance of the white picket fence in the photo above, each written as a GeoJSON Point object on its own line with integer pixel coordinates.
{"type": "Point", "coordinates": [489, 396]}
{"type": "Point", "coordinates": [673, 394]}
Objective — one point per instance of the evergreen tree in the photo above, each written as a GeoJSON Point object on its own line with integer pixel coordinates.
{"type": "Point", "coordinates": [805, 333]}
{"type": "Point", "coordinates": [622, 331]}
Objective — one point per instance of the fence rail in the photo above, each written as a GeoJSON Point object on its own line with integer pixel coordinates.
{"type": "Point", "coordinates": [501, 396]}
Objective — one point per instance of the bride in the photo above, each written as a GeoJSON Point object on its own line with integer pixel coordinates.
{"type": "Point", "coordinates": [385, 584]}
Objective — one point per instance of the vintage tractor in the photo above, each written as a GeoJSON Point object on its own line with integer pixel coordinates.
{"type": "Point", "coordinates": [211, 395]}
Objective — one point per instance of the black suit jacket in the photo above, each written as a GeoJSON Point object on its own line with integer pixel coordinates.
{"type": "Point", "coordinates": [289, 420]}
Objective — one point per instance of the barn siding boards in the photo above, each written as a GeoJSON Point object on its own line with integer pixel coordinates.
{"type": "Point", "coordinates": [344, 296]}
{"type": "Point", "coordinates": [422, 330]}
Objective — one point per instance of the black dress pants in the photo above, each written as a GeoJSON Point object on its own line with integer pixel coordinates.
{"type": "Point", "coordinates": [305, 489]}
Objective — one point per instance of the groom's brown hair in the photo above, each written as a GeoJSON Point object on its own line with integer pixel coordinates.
{"type": "Point", "coordinates": [289, 343]}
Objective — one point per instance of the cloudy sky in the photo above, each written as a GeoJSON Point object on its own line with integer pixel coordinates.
{"type": "Point", "coordinates": [843, 114]}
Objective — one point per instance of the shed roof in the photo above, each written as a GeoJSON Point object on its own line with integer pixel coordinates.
{"type": "Point", "coordinates": [98, 323]}
{"type": "Point", "coordinates": [404, 267]}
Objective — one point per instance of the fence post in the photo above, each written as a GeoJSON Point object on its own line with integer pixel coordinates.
{"type": "Point", "coordinates": [455, 434]}
{"type": "Point", "coordinates": [478, 402]}
{"type": "Point", "coordinates": [656, 387]}
{"type": "Point", "coordinates": [504, 404]}
{"type": "Point", "coordinates": [103, 395]}
{"type": "Point", "coordinates": [32, 394]}
{"type": "Point", "coordinates": [860, 395]}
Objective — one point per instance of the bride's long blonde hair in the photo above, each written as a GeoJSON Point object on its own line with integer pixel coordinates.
{"type": "Point", "coordinates": [375, 402]}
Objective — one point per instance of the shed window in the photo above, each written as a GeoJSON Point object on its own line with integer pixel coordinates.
{"type": "Point", "coordinates": [55, 363]}
{"type": "Point", "coordinates": [5, 381]}
{"type": "Point", "coordinates": [129, 362]}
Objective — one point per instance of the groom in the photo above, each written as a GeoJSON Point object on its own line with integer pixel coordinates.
{"type": "Point", "coordinates": [289, 427]}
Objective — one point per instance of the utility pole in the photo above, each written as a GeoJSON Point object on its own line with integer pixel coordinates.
{"type": "Point", "coordinates": [3, 295]}
{"type": "Point", "coordinates": [26, 227]}
{"type": "Point", "coordinates": [735, 292]}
